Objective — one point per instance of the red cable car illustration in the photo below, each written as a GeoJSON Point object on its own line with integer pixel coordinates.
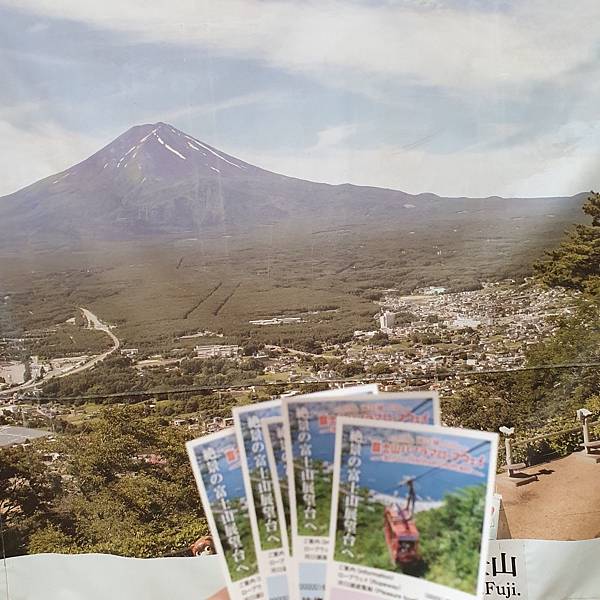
{"type": "Point", "coordinates": [401, 533]}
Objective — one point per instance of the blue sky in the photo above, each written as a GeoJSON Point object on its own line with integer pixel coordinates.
{"type": "Point", "coordinates": [458, 97]}
{"type": "Point", "coordinates": [430, 482]}
{"type": "Point", "coordinates": [261, 413]}
{"type": "Point", "coordinates": [231, 472]}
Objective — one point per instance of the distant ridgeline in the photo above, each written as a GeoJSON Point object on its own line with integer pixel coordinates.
{"type": "Point", "coordinates": [156, 180]}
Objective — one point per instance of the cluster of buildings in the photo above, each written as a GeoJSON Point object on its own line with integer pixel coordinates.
{"type": "Point", "coordinates": [387, 320]}
{"type": "Point", "coordinates": [428, 333]}
{"type": "Point", "coordinates": [19, 424]}
{"type": "Point", "coordinates": [489, 328]}
{"type": "Point", "coordinates": [218, 351]}
{"type": "Point", "coordinates": [433, 332]}
{"type": "Point", "coordinates": [15, 373]}
{"type": "Point", "coordinates": [277, 321]}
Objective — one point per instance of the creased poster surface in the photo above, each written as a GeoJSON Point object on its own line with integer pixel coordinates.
{"type": "Point", "coordinates": [260, 492]}
{"type": "Point", "coordinates": [274, 435]}
{"type": "Point", "coordinates": [210, 204]}
{"type": "Point", "coordinates": [100, 576]}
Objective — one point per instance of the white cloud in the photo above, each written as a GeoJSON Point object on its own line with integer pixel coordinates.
{"type": "Point", "coordinates": [333, 136]}
{"type": "Point", "coordinates": [536, 40]}
{"type": "Point", "coordinates": [33, 146]}
{"type": "Point", "coordinates": [555, 165]}
{"type": "Point", "coordinates": [559, 164]}
{"type": "Point", "coordinates": [211, 108]}
{"type": "Point", "coordinates": [41, 59]}
{"type": "Point", "coordinates": [37, 27]}
{"type": "Point", "coordinates": [515, 57]}
{"type": "Point", "coordinates": [31, 153]}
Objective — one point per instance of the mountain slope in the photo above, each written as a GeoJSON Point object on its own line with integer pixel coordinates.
{"type": "Point", "coordinates": [155, 179]}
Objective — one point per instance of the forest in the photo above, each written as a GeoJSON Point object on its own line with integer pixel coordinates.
{"type": "Point", "coordinates": [545, 400]}
{"type": "Point", "coordinates": [154, 292]}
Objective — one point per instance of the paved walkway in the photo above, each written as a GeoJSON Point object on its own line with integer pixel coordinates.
{"type": "Point", "coordinates": [564, 504]}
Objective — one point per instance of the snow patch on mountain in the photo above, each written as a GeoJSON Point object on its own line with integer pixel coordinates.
{"type": "Point", "coordinates": [177, 143]}
{"type": "Point", "coordinates": [61, 177]}
{"type": "Point", "coordinates": [174, 151]}
{"type": "Point", "coordinates": [147, 136]}
{"type": "Point", "coordinates": [216, 154]}
{"type": "Point", "coordinates": [194, 147]}
{"type": "Point", "coordinates": [168, 147]}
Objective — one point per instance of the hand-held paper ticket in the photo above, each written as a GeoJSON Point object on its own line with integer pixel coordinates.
{"type": "Point", "coordinates": [274, 439]}
{"type": "Point", "coordinates": [273, 433]}
{"type": "Point", "coordinates": [411, 508]}
{"type": "Point", "coordinates": [215, 461]}
{"type": "Point", "coordinates": [260, 491]}
{"type": "Point", "coordinates": [310, 443]}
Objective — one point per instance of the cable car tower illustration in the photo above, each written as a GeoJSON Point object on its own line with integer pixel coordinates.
{"type": "Point", "coordinates": [401, 532]}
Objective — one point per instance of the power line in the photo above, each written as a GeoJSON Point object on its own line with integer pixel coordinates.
{"type": "Point", "coordinates": [391, 380]}
{"type": "Point", "coordinates": [476, 447]}
{"type": "Point", "coordinates": [424, 404]}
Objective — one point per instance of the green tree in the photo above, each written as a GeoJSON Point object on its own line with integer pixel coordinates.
{"type": "Point", "coordinates": [451, 538]}
{"type": "Point", "coordinates": [121, 486]}
{"type": "Point", "coordinates": [381, 369]}
{"type": "Point", "coordinates": [576, 261]}
{"type": "Point", "coordinates": [533, 399]}
{"type": "Point", "coordinates": [26, 495]}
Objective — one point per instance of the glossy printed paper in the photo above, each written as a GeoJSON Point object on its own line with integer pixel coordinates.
{"type": "Point", "coordinates": [216, 464]}
{"type": "Point", "coordinates": [410, 513]}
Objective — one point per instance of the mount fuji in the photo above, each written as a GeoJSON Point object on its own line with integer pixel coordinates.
{"type": "Point", "coordinates": [155, 179]}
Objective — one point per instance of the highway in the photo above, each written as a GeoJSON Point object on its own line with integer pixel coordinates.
{"type": "Point", "coordinates": [93, 323]}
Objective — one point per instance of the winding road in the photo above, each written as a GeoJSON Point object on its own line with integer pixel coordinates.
{"type": "Point", "coordinates": [93, 323]}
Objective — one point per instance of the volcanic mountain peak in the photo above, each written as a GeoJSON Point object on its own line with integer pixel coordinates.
{"type": "Point", "coordinates": [160, 150]}
{"type": "Point", "coordinates": [155, 179]}
{"type": "Point", "coordinates": [152, 178]}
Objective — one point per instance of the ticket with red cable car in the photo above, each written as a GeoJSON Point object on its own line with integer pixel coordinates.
{"type": "Point", "coordinates": [309, 428]}
{"type": "Point", "coordinates": [410, 511]}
